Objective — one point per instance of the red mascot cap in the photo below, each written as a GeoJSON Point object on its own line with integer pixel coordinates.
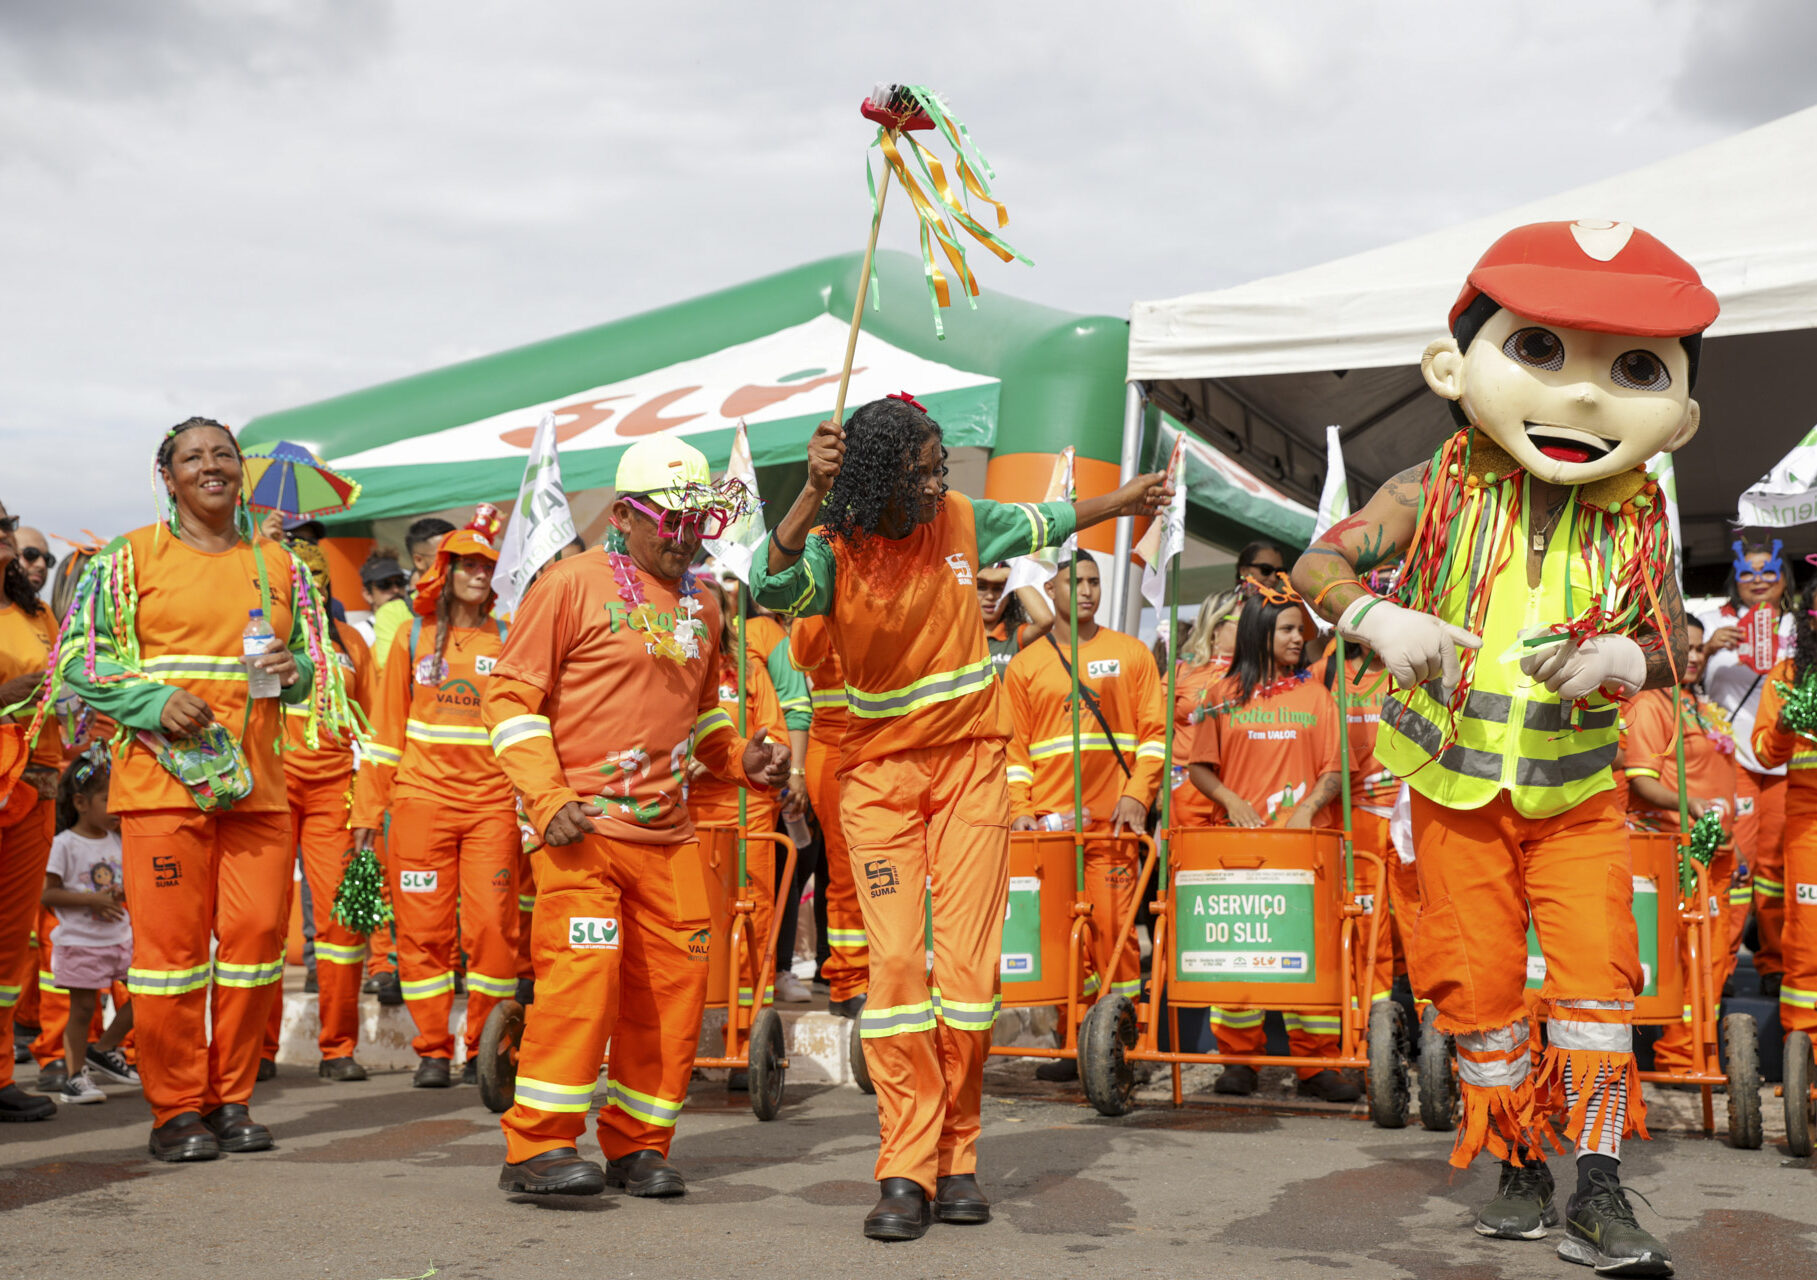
{"type": "Point", "coordinates": [1607, 277]}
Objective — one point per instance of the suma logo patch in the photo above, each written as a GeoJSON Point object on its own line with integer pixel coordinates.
{"type": "Point", "coordinates": [882, 877]}
{"type": "Point", "coordinates": [417, 881]}
{"type": "Point", "coordinates": [593, 933]}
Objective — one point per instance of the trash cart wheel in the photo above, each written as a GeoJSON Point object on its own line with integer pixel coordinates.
{"type": "Point", "coordinates": [861, 1067]}
{"type": "Point", "coordinates": [498, 1044]}
{"type": "Point", "coordinates": [1105, 1037]}
{"type": "Point", "coordinates": [1741, 1064]}
{"type": "Point", "coordinates": [768, 1072]}
{"type": "Point", "coordinates": [1387, 1069]}
{"type": "Point", "coordinates": [1440, 1097]}
{"type": "Point", "coordinates": [1799, 1118]}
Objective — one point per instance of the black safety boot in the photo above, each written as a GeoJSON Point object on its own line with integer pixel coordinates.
{"type": "Point", "coordinates": [1600, 1232]}
{"type": "Point", "coordinates": [958, 1200]}
{"type": "Point", "coordinates": [1237, 1080]}
{"type": "Point", "coordinates": [647, 1174]}
{"type": "Point", "coordinates": [560, 1172]}
{"type": "Point", "coordinates": [1523, 1206]}
{"type": "Point", "coordinates": [903, 1211]}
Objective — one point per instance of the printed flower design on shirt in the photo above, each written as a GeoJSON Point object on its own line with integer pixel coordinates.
{"type": "Point", "coordinates": [1284, 800]}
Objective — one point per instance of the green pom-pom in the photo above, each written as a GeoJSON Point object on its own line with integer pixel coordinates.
{"type": "Point", "coordinates": [359, 903]}
{"type": "Point", "coordinates": [1706, 838]}
{"type": "Point", "coordinates": [1799, 714]}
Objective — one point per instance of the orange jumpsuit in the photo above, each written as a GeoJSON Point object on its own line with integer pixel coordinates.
{"type": "Point", "coordinates": [1271, 751]}
{"type": "Point", "coordinates": [848, 968]}
{"type": "Point", "coordinates": [1119, 672]}
{"type": "Point", "coordinates": [714, 802]}
{"type": "Point", "coordinates": [1798, 989]}
{"type": "Point", "coordinates": [1192, 690]}
{"type": "Point", "coordinates": [190, 874]}
{"type": "Point", "coordinates": [582, 708]}
{"type": "Point", "coordinates": [1710, 774]}
{"type": "Point", "coordinates": [924, 801]}
{"type": "Point", "coordinates": [320, 784]}
{"type": "Point", "coordinates": [27, 823]}
{"type": "Point", "coordinates": [453, 831]}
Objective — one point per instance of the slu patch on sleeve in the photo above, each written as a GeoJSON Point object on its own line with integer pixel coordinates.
{"type": "Point", "coordinates": [593, 933]}
{"type": "Point", "coordinates": [416, 881]}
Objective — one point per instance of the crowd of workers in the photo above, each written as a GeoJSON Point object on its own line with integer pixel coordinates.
{"type": "Point", "coordinates": [533, 791]}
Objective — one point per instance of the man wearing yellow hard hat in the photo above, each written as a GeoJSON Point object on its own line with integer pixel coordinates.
{"type": "Point", "coordinates": [606, 689]}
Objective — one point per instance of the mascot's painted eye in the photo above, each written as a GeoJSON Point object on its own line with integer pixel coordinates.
{"type": "Point", "coordinates": [1640, 371]}
{"type": "Point", "coordinates": [1536, 348]}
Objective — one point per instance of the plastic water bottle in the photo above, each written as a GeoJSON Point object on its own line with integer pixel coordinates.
{"type": "Point", "coordinates": [1062, 821]}
{"type": "Point", "coordinates": [797, 827]}
{"type": "Point", "coordinates": [254, 643]}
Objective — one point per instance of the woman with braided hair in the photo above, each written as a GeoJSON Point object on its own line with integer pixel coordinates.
{"type": "Point", "coordinates": [154, 641]}
{"type": "Point", "coordinates": [876, 543]}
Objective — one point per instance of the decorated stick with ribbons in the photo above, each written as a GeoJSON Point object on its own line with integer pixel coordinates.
{"type": "Point", "coordinates": [899, 112]}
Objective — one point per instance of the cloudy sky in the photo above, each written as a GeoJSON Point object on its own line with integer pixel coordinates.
{"type": "Point", "coordinates": [232, 206]}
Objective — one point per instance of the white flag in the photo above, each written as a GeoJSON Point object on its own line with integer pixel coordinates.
{"type": "Point", "coordinates": [1166, 535]}
{"type": "Point", "coordinates": [1666, 472]}
{"type": "Point", "coordinates": [541, 524]}
{"type": "Point", "coordinates": [1786, 495]}
{"type": "Point", "coordinates": [737, 546]}
{"type": "Point", "coordinates": [1334, 499]}
{"type": "Point", "coordinates": [1039, 569]}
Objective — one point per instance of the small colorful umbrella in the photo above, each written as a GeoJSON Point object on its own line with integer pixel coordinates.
{"type": "Point", "coordinates": [292, 481]}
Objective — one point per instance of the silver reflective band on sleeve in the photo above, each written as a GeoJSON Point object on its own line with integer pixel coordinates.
{"type": "Point", "coordinates": [519, 729]}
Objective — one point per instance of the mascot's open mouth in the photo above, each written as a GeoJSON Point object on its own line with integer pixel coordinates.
{"type": "Point", "coordinates": [1568, 444]}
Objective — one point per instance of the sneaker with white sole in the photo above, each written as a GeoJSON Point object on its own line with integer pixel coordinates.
{"type": "Point", "coordinates": [791, 990]}
{"type": "Point", "coordinates": [111, 1065]}
{"type": "Point", "coordinates": [80, 1090]}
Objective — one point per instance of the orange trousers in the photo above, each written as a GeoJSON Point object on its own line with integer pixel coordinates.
{"type": "Point", "coordinates": [1110, 888]}
{"type": "Point", "coordinates": [318, 812]}
{"type": "Point", "coordinates": [613, 964]}
{"type": "Point", "coordinates": [526, 908]}
{"type": "Point", "coordinates": [439, 854]}
{"type": "Point", "coordinates": [941, 815]}
{"type": "Point", "coordinates": [1798, 992]}
{"type": "Point", "coordinates": [1483, 873]}
{"type": "Point", "coordinates": [762, 813]}
{"type": "Point", "coordinates": [190, 875]}
{"type": "Point", "coordinates": [24, 853]}
{"type": "Point", "coordinates": [1766, 864]}
{"type": "Point", "coordinates": [848, 966]}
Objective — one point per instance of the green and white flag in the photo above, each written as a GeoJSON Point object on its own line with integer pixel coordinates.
{"type": "Point", "coordinates": [737, 546]}
{"type": "Point", "coordinates": [1334, 498]}
{"type": "Point", "coordinates": [1786, 495]}
{"type": "Point", "coordinates": [541, 524]}
{"type": "Point", "coordinates": [1039, 569]}
{"type": "Point", "coordinates": [1666, 472]}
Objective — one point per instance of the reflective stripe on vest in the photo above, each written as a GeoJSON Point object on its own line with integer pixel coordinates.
{"type": "Point", "coordinates": [1511, 734]}
{"type": "Point", "coordinates": [943, 686]}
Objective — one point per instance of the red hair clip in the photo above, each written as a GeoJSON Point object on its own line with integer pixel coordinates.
{"type": "Point", "coordinates": [908, 399]}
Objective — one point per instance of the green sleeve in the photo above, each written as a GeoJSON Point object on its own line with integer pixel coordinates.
{"type": "Point", "coordinates": [805, 587]}
{"type": "Point", "coordinates": [791, 689]}
{"type": "Point", "coordinates": [1007, 529]}
{"type": "Point", "coordinates": [117, 692]}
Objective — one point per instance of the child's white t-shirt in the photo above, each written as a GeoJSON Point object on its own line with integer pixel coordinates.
{"type": "Point", "coordinates": [88, 866]}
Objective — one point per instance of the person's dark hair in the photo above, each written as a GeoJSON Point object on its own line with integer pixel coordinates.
{"type": "Point", "coordinates": [882, 442]}
{"type": "Point", "coordinates": [1787, 575]}
{"type": "Point", "coordinates": [577, 542]}
{"type": "Point", "coordinates": [1083, 557]}
{"type": "Point", "coordinates": [425, 530]}
{"type": "Point", "coordinates": [1247, 555]}
{"type": "Point", "coordinates": [1470, 322]}
{"type": "Point", "coordinates": [1253, 661]}
{"type": "Point", "coordinates": [18, 588]}
{"type": "Point", "coordinates": [85, 775]}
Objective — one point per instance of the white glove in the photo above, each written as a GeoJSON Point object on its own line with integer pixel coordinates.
{"type": "Point", "coordinates": [1574, 671]}
{"type": "Point", "coordinates": [1414, 646]}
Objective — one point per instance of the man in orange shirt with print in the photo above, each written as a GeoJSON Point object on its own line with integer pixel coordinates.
{"type": "Point", "coordinates": [923, 790]}
{"type": "Point", "coordinates": [607, 689]}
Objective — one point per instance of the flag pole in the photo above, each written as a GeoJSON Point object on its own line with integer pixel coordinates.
{"type": "Point", "coordinates": [1072, 613]}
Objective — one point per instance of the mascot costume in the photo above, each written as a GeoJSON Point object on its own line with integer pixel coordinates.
{"type": "Point", "coordinates": [1537, 588]}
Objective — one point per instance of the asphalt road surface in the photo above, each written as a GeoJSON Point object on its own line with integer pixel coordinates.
{"type": "Point", "coordinates": [378, 1181]}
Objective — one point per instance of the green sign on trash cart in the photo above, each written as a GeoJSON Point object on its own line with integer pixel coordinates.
{"type": "Point", "coordinates": [1245, 926]}
{"type": "Point", "coordinates": [1022, 931]}
{"type": "Point", "coordinates": [1646, 923]}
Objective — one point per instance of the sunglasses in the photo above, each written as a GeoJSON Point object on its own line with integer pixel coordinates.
{"type": "Point", "coordinates": [1284, 594]}
{"type": "Point", "coordinates": [31, 555]}
{"type": "Point", "coordinates": [8, 524]}
{"type": "Point", "coordinates": [707, 522]}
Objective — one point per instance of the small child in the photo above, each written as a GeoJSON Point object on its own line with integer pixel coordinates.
{"type": "Point", "coordinates": [92, 943]}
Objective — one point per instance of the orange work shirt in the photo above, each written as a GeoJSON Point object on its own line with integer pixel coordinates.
{"type": "Point", "coordinates": [1192, 686]}
{"type": "Point", "coordinates": [713, 799]}
{"type": "Point", "coordinates": [330, 761]}
{"type": "Point", "coordinates": [1652, 752]}
{"type": "Point", "coordinates": [811, 652]}
{"type": "Point", "coordinates": [428, 740]}
{"type": "Point", "coordinates": [1271, 750]}
{"type": "Point", "coordinates": [581, 706]}
{"type": "Point", "coordinates": [25, 645]}
{"type": "Point", "coordinates": [1773, 748]}
{"type": "Point", "coordinates": [1370, 783]}
{"type": "Point", "coordinates": [1119, 671]}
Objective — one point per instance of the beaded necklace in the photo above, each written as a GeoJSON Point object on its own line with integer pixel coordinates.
{"type": "Point", "coordinates": [679, 643]}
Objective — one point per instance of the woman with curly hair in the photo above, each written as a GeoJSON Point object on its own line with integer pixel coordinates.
{"type": "Point", "coordinates": [894, 563]}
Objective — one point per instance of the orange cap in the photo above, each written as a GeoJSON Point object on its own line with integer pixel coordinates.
{"type": "Point", "coordinates": [1607, 277]}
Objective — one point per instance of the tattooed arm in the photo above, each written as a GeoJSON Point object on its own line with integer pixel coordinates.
{"type": "Point", "coordinates": [1323, 792]}
{"type": "Point", "coordinates": [1377, 535]}
{"type": "Point", "coordinates": [1668, 658]}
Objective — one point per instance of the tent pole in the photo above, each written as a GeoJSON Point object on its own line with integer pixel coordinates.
{"type": "Point", "coordinates": [1127, 462]}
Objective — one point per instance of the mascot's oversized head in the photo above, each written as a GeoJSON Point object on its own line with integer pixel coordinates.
{"type": "Point", "coordinates": [1574, 346]}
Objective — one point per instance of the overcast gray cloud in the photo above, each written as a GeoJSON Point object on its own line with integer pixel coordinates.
{"type": "Point", "coordinates": [228, 207]}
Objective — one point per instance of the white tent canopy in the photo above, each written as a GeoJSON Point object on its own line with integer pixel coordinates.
{"type": "Point", "coordinates": [1260, 369]}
